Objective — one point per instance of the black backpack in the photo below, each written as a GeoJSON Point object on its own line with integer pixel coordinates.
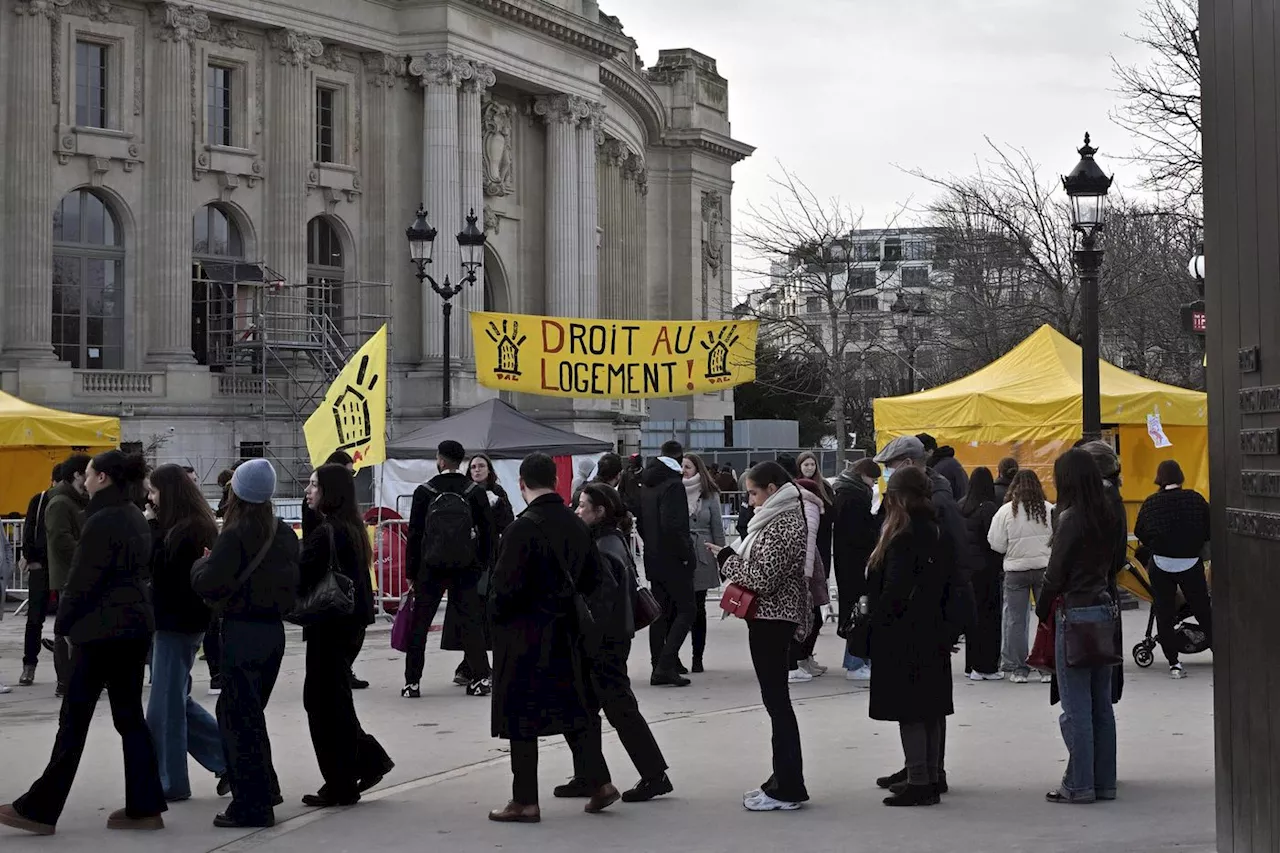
{"type": "Point", "coordinates": [449, 535]}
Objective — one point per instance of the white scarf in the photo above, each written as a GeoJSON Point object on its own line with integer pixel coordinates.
{"type": "Point", "coordinates": [785, 499]}
{"type": "Point", "coordinates": [672, 464]}
{"type": "Point", "coordinates": [693, 491]}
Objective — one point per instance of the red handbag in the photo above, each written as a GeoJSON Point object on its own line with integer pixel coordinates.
{"type": "Point", "coordinates": [1043, 656]}
{"type": "Point", "coordinates": [738, 601]}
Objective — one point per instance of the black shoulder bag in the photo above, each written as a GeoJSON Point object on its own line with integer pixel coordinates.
{"type": "Point", "coordinates": [333, 596]}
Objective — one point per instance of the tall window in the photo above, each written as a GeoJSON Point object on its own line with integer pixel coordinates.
{"type": "Point", "coordinates": [91, 84]}
{"type": "Point", "coordinates": [88, 283]}
{"type": "Point", "coordinates": [326, 131]}
{"type": "Point", "coordinates": [218, 80]}
{"type": "Point", "coordinates": [216, 243]}
{"type": "Point", "coordinates": [915, 277]}
{"type": "Point", "coordinates": [325, 271]}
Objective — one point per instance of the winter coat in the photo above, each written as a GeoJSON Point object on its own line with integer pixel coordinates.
{"type": "Point", "coordinates": [1080, 566]}
{"type": "Point", "coordinates": [178, 608]}
{"type": "Point", "coordinates": [63, 520]}
{"type": "Point", "coordinates": [1002, 489]}
{"type": "Point", "coordinates": [855, 530]}
{"type": "Point", "coordinates": [34, 536]}
{"type": "Point", "coordinates": [541, 674]}
{"type": "Point", "coordinates": [500, 510]}
{"type": "Point", "coordinates": [315, 558]}
{"type": "Point", "coordinates": [481, 517]}
{"type": "Point", "coordinates": [266, 595]}
{"type": "Point", "coordinates": [706, 526]}
{"type": "Point", "coordinates": [1174, 523]}
{"type": "Point", "coordinates": [726, 482]}
{"type": "Point", "coordinates": [107, 594]}
{"type": "Point", "coordinates": [945, 463]}
{"type": "Point", "coordinates": [664, 526]}
{"type": "Point", "coordinates": [1022, 540]}
{"type": "Point", "coordinates": [910, 652]}
{"type": "Point", "coordinates": [614, 599]}
{"type": "Point", "coordinates": [977, 526]}
{"type": "Point", "coordinates": [817, 551]}
{"type": "Point", "coordinates": [774, 571]}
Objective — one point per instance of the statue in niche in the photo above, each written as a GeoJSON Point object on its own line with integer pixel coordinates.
{"type": "Point", "coordinates": [712, 226]}
{"type": "Point", "coordinates": [499, 147]}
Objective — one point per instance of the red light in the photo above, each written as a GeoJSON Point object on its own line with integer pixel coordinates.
{"type": "Point", "coordinates": [1198, 323]}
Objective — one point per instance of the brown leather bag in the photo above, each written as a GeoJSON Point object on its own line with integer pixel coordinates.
{"type": "Point", "coordinates": [1091, 644]}
{"type": "Point", "coordinates": [645, 609]}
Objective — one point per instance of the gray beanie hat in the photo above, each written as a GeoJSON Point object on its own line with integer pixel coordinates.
{"type": "Point", "coordinates": [254, 481]}
{"type": "Point", "coordinates": [1104, 456]}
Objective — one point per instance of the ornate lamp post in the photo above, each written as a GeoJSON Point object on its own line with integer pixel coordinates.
{"type": "Point", "coordinates": [907, 315]}
{"type": "Point", "coordinates": [422, 237]}
{"type": "Point", "coordinates": [1087, 187]}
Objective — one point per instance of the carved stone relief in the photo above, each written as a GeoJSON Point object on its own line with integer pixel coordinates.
{"type": "Point", "coordinates": [499, 149]}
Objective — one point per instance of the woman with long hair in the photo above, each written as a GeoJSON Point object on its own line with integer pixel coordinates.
{"type": "Point", "coordinates": [982, 642]}
{"type": "Point", "coordinates": [483, 474]}
{"type": "Point", "coordinates": [612, 603]}
{"type": "Point", "coordinates": [706, 524]}
{"type": "Point", "coordinates": [769, 561]}
{"type": "Point", "coordinates": [907, 577]}
{"type": "Point", "coordinates": [106, 615]}
{"type": "Point", "coordinates": [1020, 531]}
{"type": "Point", "coordinates": [184, 528]}
{"type": "Point", "coordinates": [818, 522]}
{"type": "Point", "coordinates": [1078, 579]}
{"type": "Point", "coordinates": [351, 761]}
{"type": "Point", "coordinates": [250, 580]}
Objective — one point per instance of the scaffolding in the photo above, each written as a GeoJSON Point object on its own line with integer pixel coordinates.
{"type": "Point", "coordinates": [281, 346]}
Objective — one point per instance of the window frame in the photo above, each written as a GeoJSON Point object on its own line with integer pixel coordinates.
{"type": "Point", "coordinates": [96, 116]}
{"type": "Point", "coordinates": [246, 115]}
{"type": "Point", "coordinates": [81, 253]}
{"type": "Point", "coordinates": [334, 143]}
{"type": "Point", "coordinates": [221, 119]}
{"type": "Point", "coordinates": [327, 278]}
{"type": "Point", "coordinates": [123, 100]}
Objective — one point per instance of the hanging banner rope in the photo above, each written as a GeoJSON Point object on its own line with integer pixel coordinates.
{"type": "Point", "coordinates": [570, 357]}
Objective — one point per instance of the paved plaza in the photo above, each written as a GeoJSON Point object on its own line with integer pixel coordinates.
{"type": "Point", "coordinates": [1004, 752]}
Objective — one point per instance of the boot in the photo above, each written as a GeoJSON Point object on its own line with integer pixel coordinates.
{"type": "Point", "coordinates": [606, 796]}
{"type": "Point", "coordinates": [914, 795]}
{"type": "Point", "coordinates": [28, 676]}
{"type": "Point", "coordinates": [516, 813]}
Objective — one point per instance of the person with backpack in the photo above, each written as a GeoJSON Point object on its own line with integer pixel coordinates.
{"type": "Point", "coordinates": [450, 542]}
{"type": "Point", "coordinates": [36, 561]}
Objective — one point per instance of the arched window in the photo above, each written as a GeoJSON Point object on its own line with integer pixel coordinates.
{"type": "Point", "coordinates": [216, 247]}
{"type": "Point", "coordinates": [88, 283]}
{"type": "Point", "coordinates": [325, 271]}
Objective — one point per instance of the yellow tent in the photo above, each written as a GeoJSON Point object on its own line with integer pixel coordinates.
{"type": "Point", "coordinates": [33, 439]}
{"type": "Point", "coordinates": [1027, 405]}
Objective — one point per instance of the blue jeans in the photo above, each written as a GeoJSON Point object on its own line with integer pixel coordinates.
{"type": "Point", "coordinates": [178, 724]}
{"type": "Point", "coordinates": [1088, 720]}
{"type": "Point", "coordinates": [853, 664]}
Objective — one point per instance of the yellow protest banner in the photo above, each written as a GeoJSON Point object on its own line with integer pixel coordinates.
{"type": "Point", "coordinates": [569, 357]}
{"type": "Point", "coordinates": [353, 416]}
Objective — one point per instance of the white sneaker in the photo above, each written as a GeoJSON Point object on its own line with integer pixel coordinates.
{"type": "Point", "coordinates": [799, 676]}
{"type": "Point", "coordinates": [1046, 678]}
{"type": "Point", "coordinates": [1176, 671]}
{"type": "Point", "coordinates": [4, 688]}
{"type": "Point", "coordinates": [860, 674]}
{"type": "Point", "coordinates": [759, 801]}
{"type": "Point", "coordinates": [811, 665]}
{"type": "Point", "coordinates": [1018, 678]}
{"type": "Point", "coordinates": [986, 676]}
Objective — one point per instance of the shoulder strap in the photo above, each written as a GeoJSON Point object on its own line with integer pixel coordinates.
{"type": "Point", "coordinates": [256, 561]}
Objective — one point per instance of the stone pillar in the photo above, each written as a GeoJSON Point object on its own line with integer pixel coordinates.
{"type": "Point", "coordinates": [471, 161]}
{"type": "Point", "coordinates": [29, 140]}
{"type": "Point", "coordinates": [588, 210]}
{"type": "Point", "coordinates": [612, 293]}
{"type": "Point", "coordinates": [289, 157]}
{"type": "Point", "coordinates": [384, 243]}
{"type": "Point", "coordinates": [167, 178]}
{"type": "Point", "coordinates": [634, 228]}
{"type": "Point", "coordinates": [563, 236]}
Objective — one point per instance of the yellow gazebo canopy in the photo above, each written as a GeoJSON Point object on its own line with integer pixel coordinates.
{"type": "Point", "coordinates": [1027, 405]}
{"type": "Point", "coordinates": [34, 438]}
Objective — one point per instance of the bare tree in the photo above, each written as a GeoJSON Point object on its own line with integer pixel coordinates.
{"type": "Point", "coordinates": [1162, 99]}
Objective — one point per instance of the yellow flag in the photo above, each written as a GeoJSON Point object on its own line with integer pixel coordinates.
{"type": "Point", "coordinates": [353, 415]}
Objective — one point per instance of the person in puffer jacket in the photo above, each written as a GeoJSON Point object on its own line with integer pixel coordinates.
{"type": "Point", "coordinates": [817, 513]}
{"type": "Point", "coordinates": [1021, 531]}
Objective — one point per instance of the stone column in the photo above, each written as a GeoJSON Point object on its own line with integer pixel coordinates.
{"type": "Point", "coordinates": [289, 157]}
{"type": "Point", "coordinates": [384, 243]}
{"type": "Point", "coordinates": [612, 294]}
{"type": "Point", "coordinates": [167, 179]}
{"type": "Point", "coordinates": [590, 115]}
{"type": "Point", "coordinates": [563, 235]}
{"type": "Point", "coordinates": [635, 188]}
{"type": "Point", "coordinates": [29, 140]}
{"type": "Point", "coordinates": [471, 160]}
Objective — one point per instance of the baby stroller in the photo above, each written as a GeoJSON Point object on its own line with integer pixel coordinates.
{"type": "Point", "coordinates": [1192, 638]}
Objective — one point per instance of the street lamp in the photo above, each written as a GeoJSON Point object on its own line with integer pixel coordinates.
{"type": "Point", "coordinates": [422, 237]}
{"type": "Point", "coordinates": [907, 315]}
{"type": "Point", "coordinates": [1087, 187]}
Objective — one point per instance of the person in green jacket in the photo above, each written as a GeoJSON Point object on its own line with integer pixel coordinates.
{"type": "Point", "coordinates": [63, 520]}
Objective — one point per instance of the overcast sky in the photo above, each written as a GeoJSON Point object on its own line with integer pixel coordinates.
{"type": "Point", "coordinates": [842, 91]}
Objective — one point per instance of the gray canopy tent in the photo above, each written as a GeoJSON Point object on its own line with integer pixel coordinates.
{"type": "Point", "coordinates": [497, 429]}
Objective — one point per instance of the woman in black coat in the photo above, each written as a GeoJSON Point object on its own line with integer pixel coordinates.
{"type": "Point", "coordinates": [982, 642]}
{"type": "Point", "coordinates": [105, 613]}
{"type": "Point", "coordinates": [351, 761]}
{"type": "Point", "coordinates": [855, 530]}
{"type": "Point", "coordinates": [910, 646]}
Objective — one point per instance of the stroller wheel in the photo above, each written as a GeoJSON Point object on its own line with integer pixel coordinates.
{"type": "Point", "coordinates": [1142, 655]}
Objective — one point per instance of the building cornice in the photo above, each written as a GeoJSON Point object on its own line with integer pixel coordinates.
{"type": "Point", "coordinates": [559, 25]}
{"type": "Point", "coordinates": [715, 144]}
{"type": "Point", "coordinates": [637, 94]}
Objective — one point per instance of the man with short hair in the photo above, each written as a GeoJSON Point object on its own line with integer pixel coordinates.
{"type": "Point", "coordinates": [63, 522]}
{"type": "Point", "coordinates": [943, 460]}
{"type": "Point", "coordinates": [40, 598]}
{"type": "Point", "coordinates": [669, 562]}
{"type": "Point", "coordinates": [451, 540]}
{"type": "Point", "coordinates": [608, 471]}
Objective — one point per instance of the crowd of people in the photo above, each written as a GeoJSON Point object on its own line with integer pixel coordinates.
{"type": "Point", "coordinates": [138, 572]}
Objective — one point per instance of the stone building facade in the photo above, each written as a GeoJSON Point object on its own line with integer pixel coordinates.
{"type": "Point", "coordinates": [171, 172]}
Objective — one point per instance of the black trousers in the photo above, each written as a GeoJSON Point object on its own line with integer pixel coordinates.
{"type": "Point", "coordinates": [345, 752]}
{"type": "Point", "coordinates": [39, 607]}
{"type": "Point", "coordinates": [1164, 589]}
{"type": "Point", "coordinates": [213, 646]}
{"type": "Point", "coordinates": [770, 644]}
{"type": "Point", "coordinates": [668, 633]}
{"type": "Point", "coordinates": [524, 765]}
{"type": "Point", "coordinates": [699, 631]}
{"type": "Point", "coordinates": [427, 598]}
{"type": "Point", "coordinates": [982, 641]}
{"type": "Point", "coordinates": [922, 748]}
{"type": "Point", "coordinates": [803, 649]}
{"type": "Point", "coordinates": [251, 656]}
{"type": "Point", "coordinates": [617, 700]}
{"type": "Point", "coordinates": [116, 666]}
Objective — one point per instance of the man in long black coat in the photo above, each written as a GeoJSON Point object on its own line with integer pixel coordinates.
{"type": "Point", "coordinates": [541, 672]}
{"type": "Point", "coordinates": [669, 561]}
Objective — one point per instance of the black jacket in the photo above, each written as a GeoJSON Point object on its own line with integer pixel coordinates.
{"type": "Point", "coordinates": [1080, 565]}
{"type": "Point", "coordinates": [178, 607]}
{"type": "Point", "coordinates": [854, 533]}
{"type": "Point", "coordinates": [481, 516]}
{"type": "Point", "coordinates": [1002, 489]}
{"type": "Point", "coordinates": [977, 525]}
{"type": "Point", "coordinates": [313, 564]}
{"type": "Point", "coordinates": [664, 525]}
{"type": "Point", "coordinates": [613, 602]}
{"type": "Point", "coordinates": [541, 674]}
{"type": "Point", "coordinates": [268, 594]}
{"type": "Point", "coordinates": [33, 532]}
{"type": "Point", "coordinates": [945, 463]}
{"type": "Point", "coordinates": [310, 519]}
{"type": "Point", "coordinates": [107, 595]}
{"type": "Point", "coordinates": [1174, 523]}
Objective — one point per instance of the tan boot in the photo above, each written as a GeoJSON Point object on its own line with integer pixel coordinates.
{"type": "Point", "coordinates": [119, 819]}
{"type": "Point", "coordinates": [9, 817]}
{"type": "Point", "coordinates": [602, 799]}
{"type": "Point", "coordinates": [516, 813]}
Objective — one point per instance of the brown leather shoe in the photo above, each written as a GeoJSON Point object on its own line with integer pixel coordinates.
{"type": "Point", "coordinates": [602, 799]}
{"type": "Point", "coordinates": [120, 820]}
{"type": "Point", "coordinates": [516, 813]}
{"type": "Point", "coordinates": [9, 817]}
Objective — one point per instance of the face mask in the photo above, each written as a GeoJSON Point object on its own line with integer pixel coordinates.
{"type": "Point", "coordinates": [888, 470]}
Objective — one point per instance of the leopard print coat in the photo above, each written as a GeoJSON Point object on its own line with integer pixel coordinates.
{"type": "Point", "coordinates": [775, 572]}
